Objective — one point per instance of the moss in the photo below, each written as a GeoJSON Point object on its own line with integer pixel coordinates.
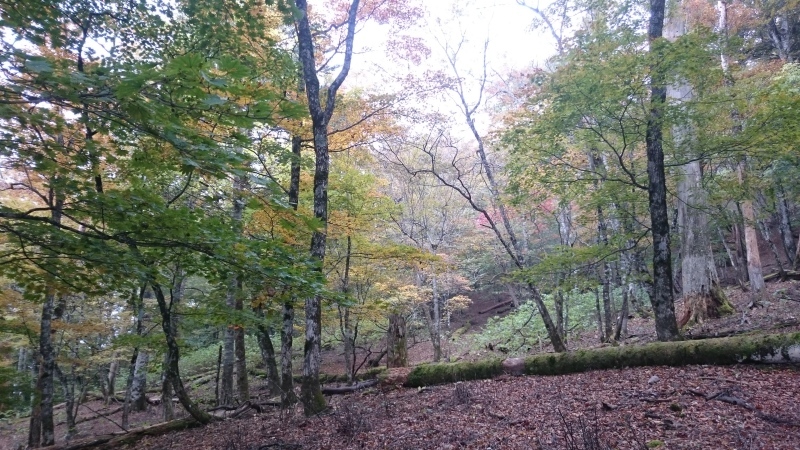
{"type": "Point", "coordinates": [720, 351]}
{"type": "Point", "coordinates": [428, 374]}
{"type": "Point", "coordinates": [654, 443]}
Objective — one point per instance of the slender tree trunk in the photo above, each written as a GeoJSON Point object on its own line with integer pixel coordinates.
{"type": "Point", "coordinates": [242, 385]}
{"type": "Point", "coordinates": [787, 235]}
{"type": "Point", "coordinates": [70, 409]}
{"type": "Point", "coordinates": [311, 394]}
{"type": "Point", "coordinates": [764, 228]}
{"type": "Point", "coordinates": [233, 332]}
{"type": "Point", "coordinates": [111, 379]}
{"type": "Point", "coordinates": [345, 323]}
{"type": "Point", "coordinates": [754, 270]}
{"type": "Point", "coordinates": [268, 359]}
{"type": "Point", "coordinates": [662, 299]}
{"type": "Point", "coordinates": [137, 304]}
{"type": "Point", "coordinates": [173, 356]}
{"type": "Point", "coordinates": [741, 248]}
{"type": "Point", "coordinates": [436, 322]}
{"type": "Point", "coordinates": [42, 427]}
{"type": "Point", "coordinates": [396, 345]}
{"type": "Point", "coordinates": [288, 396]}
{"type": "Point", "coordinates": [126, 408]}
{"type": "Point", "coordinates": [177, 293]}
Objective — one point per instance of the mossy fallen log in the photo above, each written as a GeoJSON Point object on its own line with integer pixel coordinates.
{"type": "Point", "coordinates": [774, 348]}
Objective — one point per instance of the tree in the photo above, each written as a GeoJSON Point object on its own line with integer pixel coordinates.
{"type": "Point", "coordinates": [663, 298]}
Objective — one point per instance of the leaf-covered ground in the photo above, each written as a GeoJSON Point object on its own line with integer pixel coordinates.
{"type": "Point", "coordinates": [623, 409]}
{"type": "Point", "coordinates": [632, 408]}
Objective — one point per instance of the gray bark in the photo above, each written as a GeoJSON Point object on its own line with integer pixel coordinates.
{"type": "Point", "coordinates": [242, 385]}
{"type": "Point", "coordinates": [311, 395]}
{"type": "Point", "coordinates": [288, 396]}
{"type": "Point", "coordinates": [662, 298]}
{"type": "Point", "coordinates": [42, 428]}
{"type": "Point", "coordinates": [139, 387]}
{"type": "Point", "coordinates": [787, 235]}
{"type": "Point", "coordinates": [111, 379]}
{"type": "Point", "coordinates": [396, 348]}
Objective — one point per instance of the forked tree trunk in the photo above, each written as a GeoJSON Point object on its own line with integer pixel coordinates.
{"type": "Point", "coordinates": [311, 395]}
{"type": "Point", "coordinates": [42, 428]}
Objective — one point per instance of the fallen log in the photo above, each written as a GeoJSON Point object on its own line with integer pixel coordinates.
{"type": "Point", "coordinates": [348, 389]}
{"type": "Point", "coordinates": [774, 348]}
{"type": "Point", "coordinates": [493, 307]}
{"type": "Point", "coordinates": [114, 440]}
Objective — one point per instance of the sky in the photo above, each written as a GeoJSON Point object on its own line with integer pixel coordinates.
{"type": "Point", "coordinates": [512, 44]}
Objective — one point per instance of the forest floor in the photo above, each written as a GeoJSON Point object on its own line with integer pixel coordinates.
{"type": "Point", "coordinates": [692, 407]}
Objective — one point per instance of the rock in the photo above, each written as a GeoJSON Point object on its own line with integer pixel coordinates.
{"type": "Point", "coordinates": [514, 366]}
{"type": "Point", "coordinates": [654, 379]}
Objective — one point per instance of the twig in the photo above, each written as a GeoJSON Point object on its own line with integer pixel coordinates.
{"type": "Point", "coordinates": [105, 417]}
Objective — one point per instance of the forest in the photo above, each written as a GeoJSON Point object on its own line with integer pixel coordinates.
{"type": "Point", "coordinates": [213, 210]}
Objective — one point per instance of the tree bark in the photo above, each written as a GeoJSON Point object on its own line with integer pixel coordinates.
{"type": "Point", "coordinates": [311, 396]}
{"type": "Point", "coordinates": [754, 270]}
{"type": "Point", "coordinates": [787, 235]}
{"type": "Point", "coordinates": [662, 299]}
{"type": "Point", "coordinates": [173, 356]}
{"type": "Point", "coordinates": [139, 387]}
{"type": "Point", "coordinates": [396, 344]}
{"type": "Point", "coordinates": [42, 428]}
{"type": "Point", "coordinates": [288, 396]}
{"type": "Point", "coordinates": [268, 359]}
{"type": "Point", "coordinates": [242, 385]}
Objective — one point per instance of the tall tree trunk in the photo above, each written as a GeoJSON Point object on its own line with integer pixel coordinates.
{"type": "Point", "coordinates": [70, 402]}
{"type": "Point", "coordinates": [435, 323]}
{"type": "Point", "coordinates": [242, 385]}
{"type": "Point", "coordinates": [177, 293]}
{"type": "Point", "coordinates": [396, 346]}
{"type": "Point", "coordinates": [698, 270]}
{"type": "Point", "coordinates": [787, 235]}
{"type": "Point", "coordinates": [139, 387]}
{"type": "Point", "coordinates": [42, 427]}
{"type": "Point", "coordinates": [173, 356]}
{"type": "Point", "coordinates": [754, 270]}
{"type": "Point", "coordinates": [111, 378]}
{"type": "Point", "coordinates": [137, 304]}
{"type": "Point", "coordinates": [233, 332]}
{"type": "Point", "coordinates": [311, 394]}
{"type": "Point", "coordinates": [268, 360]}
{"type": "Point", "coordinates": [345, 323]}
{"type": "Point", "coordinates": [126, 408]}
{"type": "Point", "coordinates": [662, 299]}
{"type": "Point", "coordinates": [288, 396]}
